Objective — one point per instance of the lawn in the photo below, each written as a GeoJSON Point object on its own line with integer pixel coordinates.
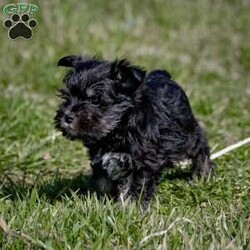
{"type": "Point", "coordinates": [44, 203]}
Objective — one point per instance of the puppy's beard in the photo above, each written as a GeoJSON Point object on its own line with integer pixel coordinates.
{"type": "Point", "coordinates": [71, 130]}
{"type": "Point", "coordinates": [75, 125]}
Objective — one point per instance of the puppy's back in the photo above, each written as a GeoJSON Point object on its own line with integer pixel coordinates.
{"type": "Point", "coordinates": [168, 100]}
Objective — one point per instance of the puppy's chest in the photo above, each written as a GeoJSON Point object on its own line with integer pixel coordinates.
{"type": "Point", "coordinates": [135, 142]}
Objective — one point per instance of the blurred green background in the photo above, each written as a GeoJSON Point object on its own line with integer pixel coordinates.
{"type": "Point", "coordinates": [204, 44]}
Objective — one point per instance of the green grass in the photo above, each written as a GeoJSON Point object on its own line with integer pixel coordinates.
{"type": "Point", "coordinates": [43, 181]}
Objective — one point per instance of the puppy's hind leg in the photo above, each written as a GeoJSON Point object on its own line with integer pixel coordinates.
{"type": "Point", "coordinates": [202, 165]}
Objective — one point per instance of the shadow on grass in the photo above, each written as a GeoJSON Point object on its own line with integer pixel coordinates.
{"type": "Point", "coordinates": [55, 185]}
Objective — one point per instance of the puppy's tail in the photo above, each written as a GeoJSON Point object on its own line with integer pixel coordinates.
{"type": "Point", "coordinates": [159, 73]}
{"type": "Point", "coordinates": [157, 78]}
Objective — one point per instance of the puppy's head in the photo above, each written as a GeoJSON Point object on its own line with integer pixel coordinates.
{"type": "Point", "coordinates": [95, 97]}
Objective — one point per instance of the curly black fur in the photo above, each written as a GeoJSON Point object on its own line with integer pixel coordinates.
{"type": "Point", "coordinates": [133, 123]}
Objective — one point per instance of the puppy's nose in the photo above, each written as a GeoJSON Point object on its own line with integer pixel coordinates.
{"type": "Point", "coordinates": [68, 119]}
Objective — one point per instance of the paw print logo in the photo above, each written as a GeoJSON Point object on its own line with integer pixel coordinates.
{"type": "Point", "coordinates": [20, 26]}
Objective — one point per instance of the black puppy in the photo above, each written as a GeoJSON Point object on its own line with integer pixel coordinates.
{"type": "Point", "coordinates": [133, 123]}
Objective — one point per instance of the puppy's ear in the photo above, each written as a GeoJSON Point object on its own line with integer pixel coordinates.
{"type": "Point", "coordinates": [78, 62]}
{"type": "Point", "coordinates": [127, 77]}
{"type": "Point", "coordinates": [69, 61]}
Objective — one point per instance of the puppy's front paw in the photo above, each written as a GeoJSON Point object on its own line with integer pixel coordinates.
{"type": "Point", "coordinates": [117, 165]}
